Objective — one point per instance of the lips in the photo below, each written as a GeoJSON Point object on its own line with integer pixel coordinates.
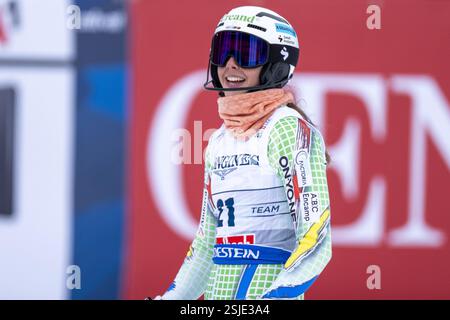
{"type": "Point", "coordinates": [234, 81]}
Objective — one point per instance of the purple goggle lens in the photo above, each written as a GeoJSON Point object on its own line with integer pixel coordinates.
{"type": "Point", "coordinates": [248, 50]}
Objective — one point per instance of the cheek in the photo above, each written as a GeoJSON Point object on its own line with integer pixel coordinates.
{"type": "Point", "coordinates": [220, 72]}
{"type": "Point", "coordinates": [254, 76]}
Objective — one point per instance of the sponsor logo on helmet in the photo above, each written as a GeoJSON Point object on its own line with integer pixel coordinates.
{"type": "Point", "coordinates": [238, 17]}
{"type": "Point", "coordinates": [286, 39]}
{"type": "Point", "coordinates": [280, 27]}
{"type": "Point", "coordinates": [284, 53]}
{"type": "Point", "coordinates": [233, 27]}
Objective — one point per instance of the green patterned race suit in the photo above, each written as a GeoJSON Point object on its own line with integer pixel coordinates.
{"type": "Point", "coordinates": [198, 275]}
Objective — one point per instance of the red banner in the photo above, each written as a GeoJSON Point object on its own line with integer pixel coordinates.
{"type": "Point", "coordinates": [374, 78]}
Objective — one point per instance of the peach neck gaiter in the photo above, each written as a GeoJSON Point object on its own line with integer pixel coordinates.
{"type": "Point", "coordinates": [244, 114]}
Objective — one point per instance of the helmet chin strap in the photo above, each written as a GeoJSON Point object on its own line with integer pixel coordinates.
{"type": "Point", "coordinates": [206, 85]}
{"type": "Point", "coordinates": [249, 89]}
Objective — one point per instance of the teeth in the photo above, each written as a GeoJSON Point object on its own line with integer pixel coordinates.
{"type": "Point", "coordinates": [234, 79]}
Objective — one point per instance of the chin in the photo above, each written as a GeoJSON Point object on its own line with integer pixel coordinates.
{"type": "Point", "coordinates": [233, 93]}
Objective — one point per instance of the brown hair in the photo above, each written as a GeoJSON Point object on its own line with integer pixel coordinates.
{"type": "Point", "coordinates": [303, 114]}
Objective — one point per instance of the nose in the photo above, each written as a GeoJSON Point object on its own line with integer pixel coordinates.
{"type": "Point", "coordinates": [232, 64]}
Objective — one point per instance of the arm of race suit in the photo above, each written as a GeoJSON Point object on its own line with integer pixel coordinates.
{"type": "Point", "coordinates": [191, 280]}
{"type": "Point", "coordinates": [304, 147]}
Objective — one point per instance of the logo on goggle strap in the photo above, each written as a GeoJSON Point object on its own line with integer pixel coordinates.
{"type": "Point", "coordinates": [284, 53]}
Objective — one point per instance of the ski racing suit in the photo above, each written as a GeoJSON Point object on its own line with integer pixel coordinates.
{"type": "Point", "coordinates": [264, 231]}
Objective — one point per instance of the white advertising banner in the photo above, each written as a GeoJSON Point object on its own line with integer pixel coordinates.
{"type": "Point", "coordinates": [36, 30]}
{"type": "Point", "coordinates": [35, 238]}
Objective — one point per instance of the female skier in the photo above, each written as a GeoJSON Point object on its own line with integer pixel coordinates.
{"type": "Point", "coordinates": [264, 231]}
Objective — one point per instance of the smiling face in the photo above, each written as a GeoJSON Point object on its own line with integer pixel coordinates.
{"type": "Point", "coordinates": [233, 76]}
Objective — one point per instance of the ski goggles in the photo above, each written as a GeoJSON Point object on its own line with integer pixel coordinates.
{"type": "Point", "coordinates": [248, 51]}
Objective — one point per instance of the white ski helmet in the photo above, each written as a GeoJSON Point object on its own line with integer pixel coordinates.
{"type": "Point", "coordinates": [254, 36]}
